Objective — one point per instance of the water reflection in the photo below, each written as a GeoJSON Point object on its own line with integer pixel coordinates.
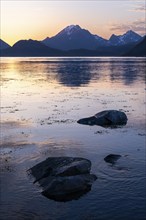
{"type": "Point", "coordinates": [77, 73]}
{"type": "Point", "coordinates": [70, 197]}
{"type": "Point", "coordinates": [128, 72]}
{"type": "Point", "coordinates": [37, 90]}
{"type": "Point", "coordinates": [74, 74]}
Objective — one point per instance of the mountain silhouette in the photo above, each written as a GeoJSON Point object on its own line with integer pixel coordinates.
{"type": "Point", "coordinates": [127, 38]}
{"type": "Point", "coordinates": [3, 45]}
{"type": "Point", "coordinates": [30, 48]}
{"type": "Point", "coordinates": [75, 41]}
{"type": "Point", "coordinates": [139, 49]}
{"type": "Point", "coordinates": [74, 37]}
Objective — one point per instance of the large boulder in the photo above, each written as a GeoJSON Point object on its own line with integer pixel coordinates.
{"type": "Point", "coordinates": [107, 118]}
{"type": "Point", "coordinates": [68, 187]}
{"type": "Point", "coordinates": [63, 178]}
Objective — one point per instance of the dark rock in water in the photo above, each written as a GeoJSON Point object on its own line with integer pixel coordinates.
{"type": "Point", "coordinates": [112, 158]}
{"type": "Point", "coordinates": [61, 166]}
{"type": "Point", "coordinates": [64, 178]}
{"type": "Point", "coordinates": [106, 118]}
{"type": "Point", "coordinates": [69, 187]}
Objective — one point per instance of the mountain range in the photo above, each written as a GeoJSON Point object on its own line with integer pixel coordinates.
{"type": "Point", "coordinates": [75, 41]}
{"type": "Point", "coordinates": [74, 37]}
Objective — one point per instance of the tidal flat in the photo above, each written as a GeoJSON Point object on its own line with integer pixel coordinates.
{"type": "Point", "coordinates": [41, 101]}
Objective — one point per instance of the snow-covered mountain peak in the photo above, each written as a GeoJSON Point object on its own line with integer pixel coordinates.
{"type": "Point", "coordinates": [74, 37]}
{"type": "Point", "coordinates": [128, 37]}
{"type": "Point", "coordinates": [71, 28]}
{"type": "Point", "coordinates": [130, 32]}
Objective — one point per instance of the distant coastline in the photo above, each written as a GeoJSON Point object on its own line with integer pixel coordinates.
{"type": "Point", "coordinates": [138, 50]}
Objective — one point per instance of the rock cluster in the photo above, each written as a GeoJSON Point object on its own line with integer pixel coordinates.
{"type": "Point", "coordinates": [67, 178]}
{"type": "Point", "coordinates": [64, 178]}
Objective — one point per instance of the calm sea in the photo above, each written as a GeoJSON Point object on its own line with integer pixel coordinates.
{"type": "Point", "coordinates": [41, 101]}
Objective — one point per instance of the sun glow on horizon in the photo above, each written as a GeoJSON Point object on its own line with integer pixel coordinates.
{"type": "Point", "coordinates": [40, 19]}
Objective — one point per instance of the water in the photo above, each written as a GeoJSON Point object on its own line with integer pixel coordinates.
{"type": "Point", "coordinates": [41, 100]}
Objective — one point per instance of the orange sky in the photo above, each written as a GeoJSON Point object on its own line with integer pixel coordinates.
{"type": "Point", "coordinates": [39, 19]}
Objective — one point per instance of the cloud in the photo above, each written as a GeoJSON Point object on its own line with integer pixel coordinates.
{"type": "Point", "coordinates": [137, 26]}
{"type": "Point", "coordinates": [139, 6]}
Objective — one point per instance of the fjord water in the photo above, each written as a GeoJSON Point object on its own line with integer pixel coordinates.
{"type": "Point", "coordinates": [41, 101]}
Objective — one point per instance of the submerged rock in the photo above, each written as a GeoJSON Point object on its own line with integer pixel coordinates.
{"type": "Point", "coordinates": [112, 158]}
{"type": "Point", "coordinates": [69, 187]}
{"type": "Point", "coordinates": [106, 118]}
{"type": "Point", "coordinates": [64, 178]}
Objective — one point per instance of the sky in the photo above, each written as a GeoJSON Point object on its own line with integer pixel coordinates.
{"type": "Point", "coordinates": [38, 19]}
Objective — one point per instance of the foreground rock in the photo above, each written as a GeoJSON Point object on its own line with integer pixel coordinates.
{"type": "Point", "coordinates": [69, 187]}
{"type": "Point", "coordinates": [64, 178]}
{"type": "Point", "coordinates": [112, 158]}
{"type": "Point", "coordinates": [106, 118]}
